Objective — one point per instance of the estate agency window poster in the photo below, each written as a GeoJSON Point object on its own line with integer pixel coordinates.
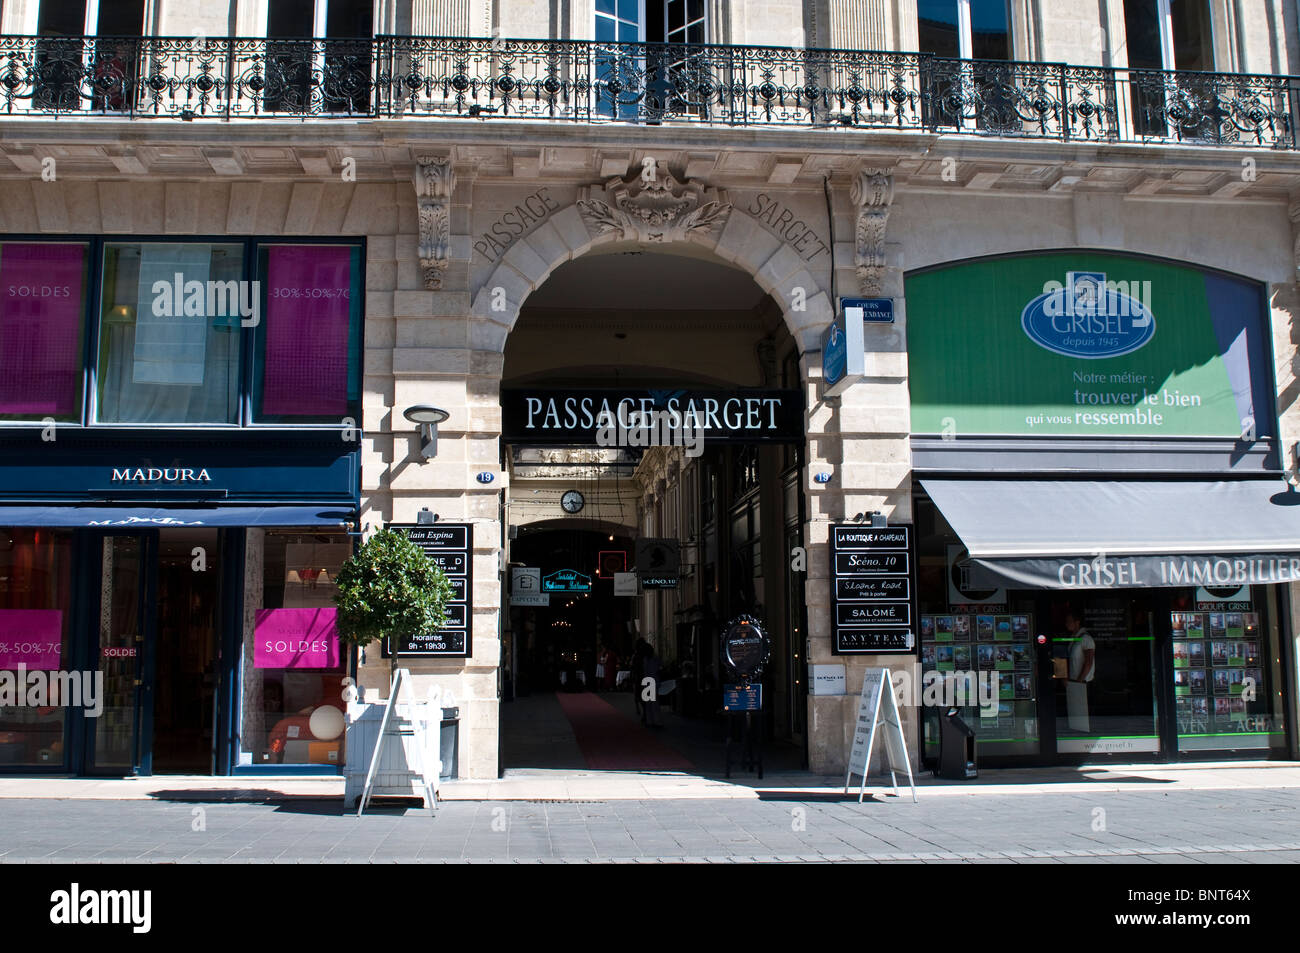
{"type": "Point", "coordinates": [1085, 343]}
{"type": "Point", "coordinates": [1223, 679]}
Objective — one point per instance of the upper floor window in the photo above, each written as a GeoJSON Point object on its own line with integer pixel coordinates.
{"type": "Point", "coordinates": [965, 29]}
{"type": "Point", "coordinates": [651, 21]}
{"type": "Point", "coordinates": [1169, 34]}
{"type": "Point", "coordinates": [677, 21]}
{"type": "Point", "coordinates": [184, 333]}
{"type": "Point", "coordinates": [166, 353]}
{"type": "Point", "coordinates": [620, 21]}
{"type": "Point", "coordinates": [62, 57]}
{"type": "Point", "coordinates": [42, 310]}
{"type": "Point", "coordinates": [303, 75]}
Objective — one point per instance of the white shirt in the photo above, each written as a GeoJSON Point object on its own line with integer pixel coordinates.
{"type": "Point", "coordinates": [1083, 644]}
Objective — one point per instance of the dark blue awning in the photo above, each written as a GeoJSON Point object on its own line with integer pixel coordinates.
{"type": "Point", "coordinates": [151, 516]}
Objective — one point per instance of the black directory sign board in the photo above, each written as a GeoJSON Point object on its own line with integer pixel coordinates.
{"type": "Point", "coordinates": [873, 590]}
{"type": "Point", "coordinates": [451, 546]}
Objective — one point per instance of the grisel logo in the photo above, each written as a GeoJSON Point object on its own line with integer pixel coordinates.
{"type": "Point", "coordinates": [1090, 317]}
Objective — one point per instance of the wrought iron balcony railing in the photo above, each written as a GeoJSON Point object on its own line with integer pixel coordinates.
{"type": "Point", "coordinates": [640, 83]}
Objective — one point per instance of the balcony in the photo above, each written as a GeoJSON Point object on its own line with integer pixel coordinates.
{"type": "Point", "coordinates": [392, 77]}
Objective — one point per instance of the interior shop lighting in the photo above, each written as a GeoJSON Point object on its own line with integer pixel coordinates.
{"type": "Point", "coordinates": [428, 419]}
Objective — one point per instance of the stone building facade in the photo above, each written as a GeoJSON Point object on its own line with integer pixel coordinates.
{"type": "Point", "coordinates": [466, 215]}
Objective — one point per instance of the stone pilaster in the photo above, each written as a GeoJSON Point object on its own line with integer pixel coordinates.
{"type": "Point", "coordinates": [860, 438]}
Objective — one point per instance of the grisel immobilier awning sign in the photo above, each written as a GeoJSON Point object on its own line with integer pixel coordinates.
{"type": "Point", "coordinates": [576, 416]}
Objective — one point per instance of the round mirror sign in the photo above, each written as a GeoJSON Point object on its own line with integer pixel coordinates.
{"type": "Point", "coordinates": [745, 646]}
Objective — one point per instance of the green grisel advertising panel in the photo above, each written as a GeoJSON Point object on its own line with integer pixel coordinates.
{"type": "Point", "coordinates": [1085, 344]}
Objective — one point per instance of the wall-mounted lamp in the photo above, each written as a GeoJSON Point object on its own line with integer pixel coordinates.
{"type": "Point", "coordinates": [425, 517]}
{"type": "Point", "coordinates": [875, 519]}
{"type": "Point", "coordinates": [428, 418]}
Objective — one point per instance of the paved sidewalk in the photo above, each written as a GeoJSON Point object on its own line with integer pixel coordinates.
{"type": "Point", "coordinates": [582, 785]}
{"type": "Point", "coordinates": [1179, 825]}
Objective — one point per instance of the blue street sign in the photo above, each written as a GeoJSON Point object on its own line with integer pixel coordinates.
{"type": "Point", "coordinates": [869, 310]}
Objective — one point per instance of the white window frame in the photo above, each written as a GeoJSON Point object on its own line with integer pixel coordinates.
{"type": "Point", "coordinates": [1165, 17]}
{"type": "Point", "coordinates": [684, 29]}
{"type": "Point", "coordinates": [1165, 25]}
{"type": "Point", "coordinates": [617, 20]}
{"type": "Point", "coordinates": [965, 37]}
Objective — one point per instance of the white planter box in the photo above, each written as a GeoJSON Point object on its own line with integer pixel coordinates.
{"type": "Point", "coordinates": [395, 774]}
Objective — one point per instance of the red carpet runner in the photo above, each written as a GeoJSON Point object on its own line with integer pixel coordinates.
{"type": "Point", "coordinates": [610, 741]}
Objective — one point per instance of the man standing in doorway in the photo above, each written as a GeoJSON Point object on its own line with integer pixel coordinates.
{"type": "Point", "coordinates": [1083, 666]}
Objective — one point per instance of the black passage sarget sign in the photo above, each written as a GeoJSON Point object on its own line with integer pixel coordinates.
{"type": "Point", "coordinates": [451, 546]}
{"type": "Point", "coordinates": [873, 586]}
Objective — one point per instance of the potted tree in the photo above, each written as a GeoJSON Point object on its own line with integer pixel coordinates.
{"type": "Point", "coordinates": [391, 589]}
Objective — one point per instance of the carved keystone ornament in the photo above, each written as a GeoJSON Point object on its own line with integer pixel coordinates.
{"type": "Point", "coordinates": [650, 205]}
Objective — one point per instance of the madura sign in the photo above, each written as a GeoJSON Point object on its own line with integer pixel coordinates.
{"type": "Point", "coordinates": [160, 475]}
{"type": "Point", "coordinates": [1086, 344]}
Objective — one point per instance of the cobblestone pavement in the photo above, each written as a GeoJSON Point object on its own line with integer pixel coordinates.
{"type": "Point", "coordinates": [1174, 827]}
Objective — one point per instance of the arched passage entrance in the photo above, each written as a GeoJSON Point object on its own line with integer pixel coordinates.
{"type": "Point", "coordinates": [646, 329]}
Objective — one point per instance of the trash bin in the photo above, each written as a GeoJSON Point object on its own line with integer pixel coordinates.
{"type": "Point", "coordinates": [956, 747]}
{"type": "Point", "coordinates": [449, 744]}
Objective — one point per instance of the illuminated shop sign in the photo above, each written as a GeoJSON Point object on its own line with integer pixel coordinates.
{"type": "Point", "coordinates": [566, 580]}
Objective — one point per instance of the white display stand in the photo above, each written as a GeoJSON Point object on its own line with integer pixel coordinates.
{"type": "Point", "coordinates": [878, 708]}
{"type": "Point", "coordinates": [393, 749]}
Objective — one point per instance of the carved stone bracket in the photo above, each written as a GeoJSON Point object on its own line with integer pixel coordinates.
{"type": "Point", "coordinates": [650, 205]}
{"type": "Point", "coordinates": [872, 192]}
{"type": "Point", "coordinates": [434, 181]}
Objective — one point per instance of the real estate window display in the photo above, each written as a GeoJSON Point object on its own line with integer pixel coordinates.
{"type": "Point", "coordinates": [1173, 675]}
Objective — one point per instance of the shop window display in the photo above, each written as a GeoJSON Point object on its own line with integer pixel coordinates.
{"type": "Point", "coordinates": [978, 639]}
{"type": "Point", "coordinates": [307, 371]}
{"type": "Point", "coordinates": [1108, 706]}
{"type": "Point", "coordinates": [1226, 671]}
{"type": "Point", "coordinates": [1119, 671]}
{"type": "Point", "coordinates": [42, 309]}
{"type": "Point", "coordinates": [169, 337]}
{"type": "Point", "coordinates": [35, 595]}
{"type": "Point", "coordinates": [990, 663]}
{"type": "Point", "coordinates": [294, 663]}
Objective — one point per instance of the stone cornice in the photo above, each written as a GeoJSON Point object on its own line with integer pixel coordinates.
{"type": "Point", "coordinates": [777, 159]}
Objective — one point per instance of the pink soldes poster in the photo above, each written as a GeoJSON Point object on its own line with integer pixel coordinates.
{"type": "Point", "coordinates": [41, 292]}
{"type": "Point", "coordinates": [296, 638]}
{"type": "Point", "coordinates": [31, 637]}
{"type": "Point", "coordinates": [308, 322]}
